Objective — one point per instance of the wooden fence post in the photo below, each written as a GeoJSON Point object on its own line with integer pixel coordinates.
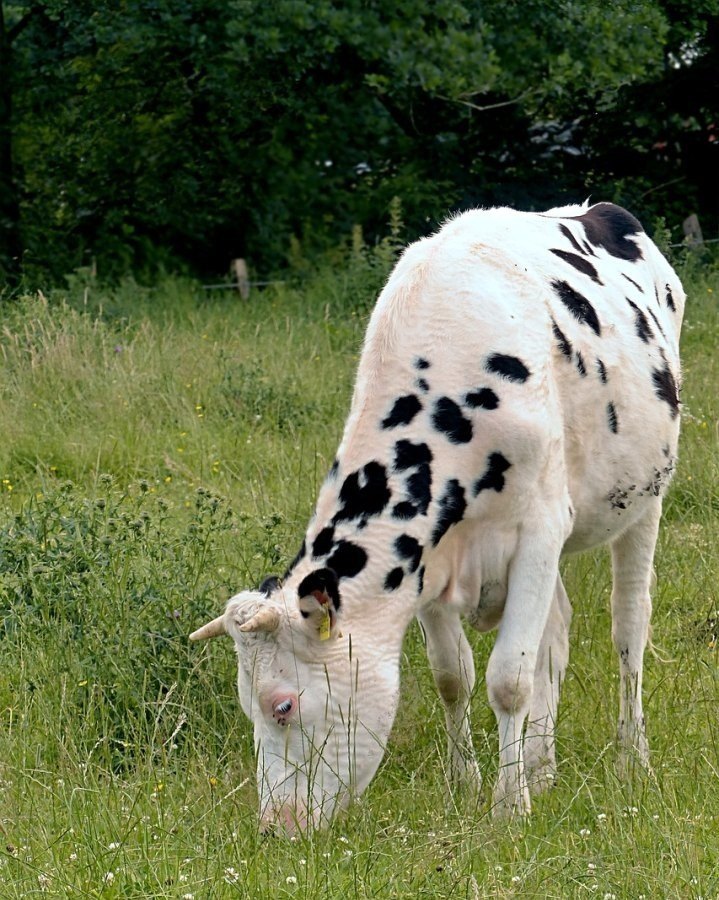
{"type": "Point", "coordinates": [692, 231]}
{"type": "Point", "coordinates": [238, 267]}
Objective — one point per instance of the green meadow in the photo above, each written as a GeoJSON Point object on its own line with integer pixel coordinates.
{"type": "Point", "coordinates": [162, 449]}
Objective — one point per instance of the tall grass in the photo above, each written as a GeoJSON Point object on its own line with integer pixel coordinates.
{"type": "Point", "coordinates": [161, 450]}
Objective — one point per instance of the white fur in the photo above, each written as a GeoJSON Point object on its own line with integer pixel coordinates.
{"type": "Point", "coordinates": [482, 285]}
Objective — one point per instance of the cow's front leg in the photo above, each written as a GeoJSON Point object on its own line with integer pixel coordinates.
{"type": "Point", "coordinates": [511, 668]}
{"type": "Point", "coordinates": [632, 558]}
{"type": "Point", "coordinates": [539, 739]}
{"type": "Point", "coordinates": [452, 664]}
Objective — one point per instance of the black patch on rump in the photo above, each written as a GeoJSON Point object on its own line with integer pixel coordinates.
{"type": "Point", "coordinates": [324, 542]}
{"type": "Point", "coordinates": [665, 387]}
{"type": "Point", "coordinates": [493, 478]}
{"type": "Point", "coordinates": [670, 299]}
{"type": "Point", "coordinates": [510, 367]}
{"type": "Point", "coordinates": [419, 482]}
{"type": "Point", "coordinates": [581, 368]}
{"type": "Point", "coordinates": [641, 323]}
{"type": "Point", "coordinates": [410, 549]}
{"type": "Point", "coordinates": [612, 418]}
{"type": "Point", "coordinates": [657, 323]}
{"type": "Point", "coordinates": [602, 369]}
{"type": "Point", "coordinates": [482, 398]}
{"type": "Point", "coordinates": [322, 580]}
{"type": "Point", "coordinates": [578, 305]}
{"type": "Point", "coordinates": [364, 493]}
{"type": "Point", "coordinates": [404, 410]}
{"type": "Point", "coordinates": [579, 262]}
{"type": "Point", "coordinates": [631, 281]}
{"type": "Point", "coordinates": [448, 419]}
{"type": "Point", "coordinates": [452, 506]}
{"type": "Point", "coordinates": [393, 579]}
{"type": "Point", "coordinates": [347, 560]}
{"type": "Point", "coordinates": [570, 237]}
{"type": "Point", "coordinates": [611, 227]}
{"type": "Point", "coordinates": [561, 339]}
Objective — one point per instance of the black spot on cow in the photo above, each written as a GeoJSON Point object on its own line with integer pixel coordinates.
{"type": "Point", "coordinates": [269, 585]}
{"type": "Point", "coordinates": [561, 339]}
{"type": "Point", "coordinates": [670, 299]}
{"type": "Point", "coordinates": [612, 418]}
{"type": "Point", "coordinates": [405, 511]}
{"type": "Point", "coordinates": [665, 387]}
{"type": "Point", "coordinates": [419, 488]}
{"type": "Point", "coordinates": [657, 323]}
{"type": "Point", "coordinates": [448, 419]}
{"type": "Point", "coordinates": [421, 363]}
{"type": "Point", "coordinates": [452, 506]}
{"type": "Point", "coordinates": [347, 560]}
{"type": "Point", "coordinates": [410, 549]}
{"type": "Point", "coordinates": [602, 369]}
{"type": "Point", "coordinates": [482, 398]}
{"type": "Point", "coordinates": [579, 262]}
{"type": "Point", "coordinates": [393, 579]}
{"type": "Point", "coordinates": [334, 469]}
{"type": "Point", "coordinates": [581, 368]}
{"type": "Point", "coordinates": [632, 282]}
{"type": "Point", "coordinates": [324, 542]}
{"type": "Point", "coordinates": [364, 493]}
{"type": "Point", "coordinates": [420, 579]}
{"type": "Point", "coordinates": [403, 411]}
{"type": "Point", "coordinates": [578, 305]}
{"type": "Point", "coordinates": [422, 384]}
{"type": "Point", "coordinates": [612, 228]}
{"type": "Point", "coordinates": [570, 237]}
{"type": "Point", "coordinates": [407, 455]}
{"type": "Point", "coordinates": [300, 555]}
{"type": "Point", "coordinates": [493, 478]}
{"type": "Point", "coordinates": [322, 580]}
{"type": "Point", "coordinates": [510, 367]}
{"type": "Point", "coordinates": [641, 323]}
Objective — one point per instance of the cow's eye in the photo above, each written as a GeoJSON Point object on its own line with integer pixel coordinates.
{"type": "Point", "coordinates": [284, 708]}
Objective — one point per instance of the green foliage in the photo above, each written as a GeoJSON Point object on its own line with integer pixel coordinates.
{"type": "Point", "coordinates": [151, 134]}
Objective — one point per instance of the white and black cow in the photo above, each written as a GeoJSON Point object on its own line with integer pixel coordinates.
{"type": "Point", "coordinates": [516, 399]}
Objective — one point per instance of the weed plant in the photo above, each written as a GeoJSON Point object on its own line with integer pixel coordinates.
{"type": "Point", "coordinates": [162, 450]}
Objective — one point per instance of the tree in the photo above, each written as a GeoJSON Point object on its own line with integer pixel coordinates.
{"type": "Point", "coordinates": [201, 130]}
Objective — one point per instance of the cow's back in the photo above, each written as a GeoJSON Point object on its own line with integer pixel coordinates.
{"type": "Point", "coordinates": [532, 341]}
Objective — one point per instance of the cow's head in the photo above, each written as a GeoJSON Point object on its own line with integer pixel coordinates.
{"type": "Point", "coordinates": [322, 702]}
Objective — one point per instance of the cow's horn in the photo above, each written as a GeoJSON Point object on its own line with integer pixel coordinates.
{"type": "Point", "coordinates": [267, 619]}
{"type": "Point", "coordinates": [212, 629]}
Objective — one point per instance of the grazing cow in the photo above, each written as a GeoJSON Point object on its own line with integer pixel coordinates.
{"type": "Point", "coordinates": [516, 399]}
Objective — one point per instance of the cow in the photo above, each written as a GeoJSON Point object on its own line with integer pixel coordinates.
{"type": "Point", "coordinates": [516, 400]}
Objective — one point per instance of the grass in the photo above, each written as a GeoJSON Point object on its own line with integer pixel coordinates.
{"type": "Point", "coordinates": [162, 450]}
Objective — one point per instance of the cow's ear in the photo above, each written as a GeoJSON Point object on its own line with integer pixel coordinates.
{"type": "Point", "coordinates": [269, 585]}
{"type": "Point", "coordinates": [319, 601]}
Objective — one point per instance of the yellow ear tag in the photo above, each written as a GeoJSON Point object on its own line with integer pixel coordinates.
{"type": "Point", "coordinates": [325, 625]}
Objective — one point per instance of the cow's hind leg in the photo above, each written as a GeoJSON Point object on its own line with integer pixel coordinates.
{"type": "Point", "coordinates": [452, 664]}
{"type": "Point", "coordinates": [632, 558]}
{"type": "Point", "coordinates": [512, 664]}
{"type": "Point", "coordinates": [539, 741]}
